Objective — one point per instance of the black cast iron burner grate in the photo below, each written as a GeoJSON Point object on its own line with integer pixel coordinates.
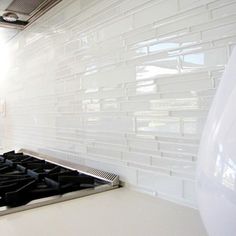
{"type": "Point", "coordinates": [24, 178]}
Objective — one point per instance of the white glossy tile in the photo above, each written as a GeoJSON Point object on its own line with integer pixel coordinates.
{"type": "Point", "coordinates": [205, 59]}
{"type": "Point", "coordinates": [159, 67]}
{"type": "Point", "coordinates": [180, 148]}
{"type": "Point", "coordinates": [213, 23]}
{"type": "Point", "coordinates": [116, 28]}
{"type": "Point", "coordinates": [144, 143]}
{"type": "Point", "coordinates": [186, 4]}
{"type": "Point", "coordinates": [175, 104]}
{"type": "Point", "coordinates": [132, 157]}
{"type": "Point", "coordinates": [161, 183]}
{"type": "Point", "coordinates": [135, 106]}
{"type": "Point", "coordinates": [161, 125]}
{"type": "Point", "coordinates": [228, 9]}
{"type": "Point", "coordinates": [192, 85]}
{"type": "Point", "coordinates": [162, 9]}
{"type": "Point", "coordinates": [140, 37]}
{"type": "Point", "coordinates": [219, 32]}
{"type": "Point", "coordinates": [189, 190]}
{"type": "Point", "coordinates": [183, 22]}
{"type": "Point", "coordinates": [229, 42]}
{"type": "Point", "coordinates": [104, 152]}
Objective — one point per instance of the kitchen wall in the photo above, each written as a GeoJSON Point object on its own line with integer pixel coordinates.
{"type": "Point", "coordinates": [121, 85]}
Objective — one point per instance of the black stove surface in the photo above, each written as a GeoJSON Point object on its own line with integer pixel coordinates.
{"type": "Point", "coordinates": [25, 178]}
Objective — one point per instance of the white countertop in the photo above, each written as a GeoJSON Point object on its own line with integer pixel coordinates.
{"type": "Point", "coordinates": [118, 212]}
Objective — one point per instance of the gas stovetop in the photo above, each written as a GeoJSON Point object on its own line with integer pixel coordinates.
{"type": "Point", "coordinates": [27, 181]}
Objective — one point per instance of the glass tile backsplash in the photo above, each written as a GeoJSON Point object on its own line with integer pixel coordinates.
{"type": "Point", "coordinates": [121, 85]}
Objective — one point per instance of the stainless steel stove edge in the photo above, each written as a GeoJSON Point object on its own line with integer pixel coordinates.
{"type": "Point", "coordinates": [113, 179]}
{"type": "Point", "coordinates": [57, 199]}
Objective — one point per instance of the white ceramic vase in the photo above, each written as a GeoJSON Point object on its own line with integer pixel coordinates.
{"type": "Point", "coordinates": [216, 175]}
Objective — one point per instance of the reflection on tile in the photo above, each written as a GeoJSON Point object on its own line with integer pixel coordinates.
{"type": "Point", "coordinates": [157, 68]}
{"type": "Point", "coordinates": [209, 58]}
{"type": "Point", "coordinates": [195, 59]}
{"type": "Point", "coordinates": [152, 125]}
{"type": "Point", "coordinates": [162, 46]}
{"type": "Point", "coordinates": [146, 89]}
{"type": "Point", "coordinates": [110, 105]}
{"type": "Point", "coordinates": [175, 104]}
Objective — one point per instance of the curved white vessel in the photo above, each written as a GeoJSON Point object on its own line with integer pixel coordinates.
{"type": "Point", "coordinates": [216, 177]}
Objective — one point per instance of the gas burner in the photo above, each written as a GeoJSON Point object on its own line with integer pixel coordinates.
{"type": "Point", "coordinates": [25, 178]}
